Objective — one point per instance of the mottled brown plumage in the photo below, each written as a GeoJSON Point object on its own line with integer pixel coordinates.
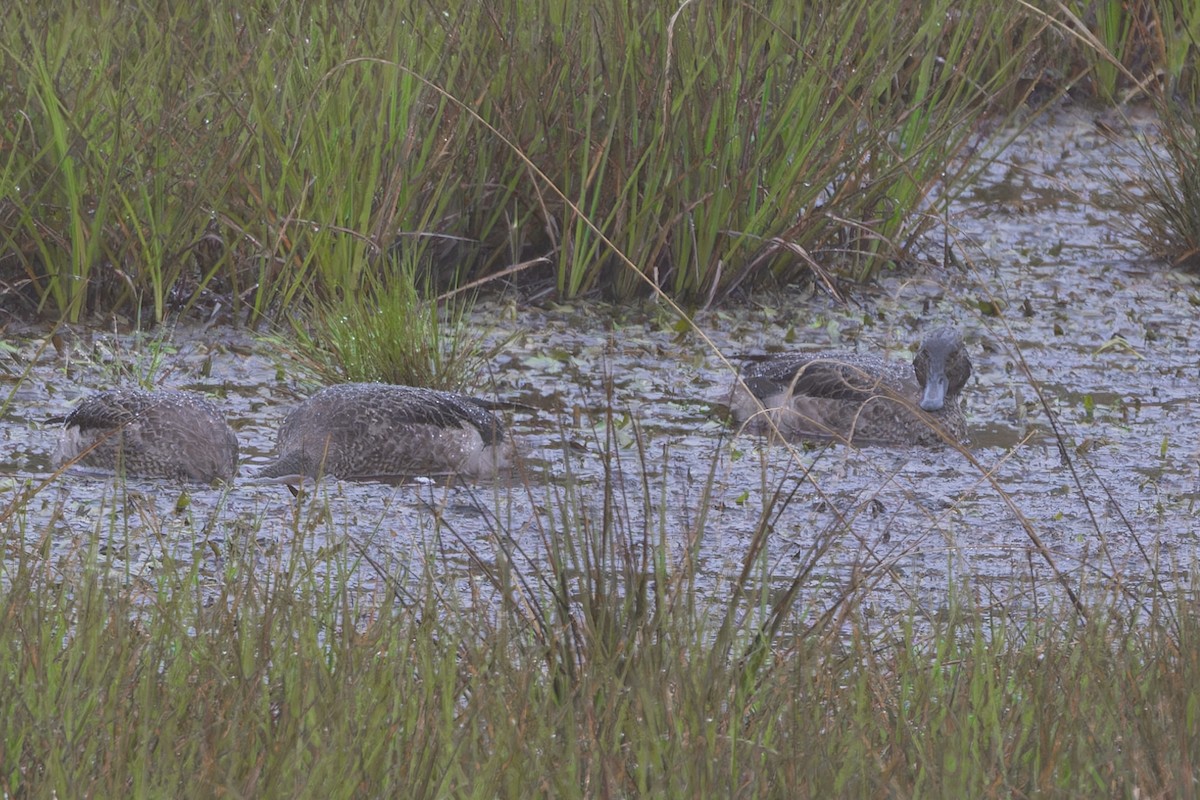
{"type": "Point", "coordinates": [153, 434]}
{"type": "Point", "coordinates": [861, 398]}
{"type": "Point", "coordinates": [378, 431]}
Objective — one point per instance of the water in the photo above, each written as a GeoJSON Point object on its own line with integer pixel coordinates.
{"type": "Point", "coordinates": [1062, 312]}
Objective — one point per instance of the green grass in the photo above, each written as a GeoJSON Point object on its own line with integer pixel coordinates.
{"type": "Point", "coordinates": [1121, 51]}
{"type": "Point", "coordinates": [270, 154]}
{"type": "Point", "coordinates": [1147, 51]}
{"type": "Point", "coordinates": [387, 331]}
{"type": "Point", "coordinates": [278, 156]}
{"type": "Point", "coordinates": [600, 671]}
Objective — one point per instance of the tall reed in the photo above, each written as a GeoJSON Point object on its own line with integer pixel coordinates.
{"type": "Point", "coordinates": [260, 154]}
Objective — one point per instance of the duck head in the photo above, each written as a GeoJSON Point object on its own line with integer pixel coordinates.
{"type": "Point", "coordinates": [942, 368]}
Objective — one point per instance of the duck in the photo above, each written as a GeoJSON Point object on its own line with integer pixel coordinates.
{"type": "Point", "coordinates": [164, 433]}
{"type": "Point", "coordinates": [376, 431]}
{"type": "Point", "coordinates": [859, 398]}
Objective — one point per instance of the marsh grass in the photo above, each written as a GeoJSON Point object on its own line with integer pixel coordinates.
{"type": "Point", "coordinates": [1167, 190]}
{"type": "Point", "coordinates": [1165, 193]}
{"type": "Point", "coordinates": [606, 666]}
{"type": "Point", "coordinates": [153, 154]}
{"type": "Point", "coordinates": [390, 331]}
{"type": "Point", "coordinates": [150, 156]}
{"type": "Point", "coordinates": [1132, 50]}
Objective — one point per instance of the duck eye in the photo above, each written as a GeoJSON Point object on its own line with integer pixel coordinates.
{"type": "Point", "coordinates": [921, 365]}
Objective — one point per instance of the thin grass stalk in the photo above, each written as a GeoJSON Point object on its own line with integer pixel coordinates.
{"type": "Point", "coordinates": [265, 690]}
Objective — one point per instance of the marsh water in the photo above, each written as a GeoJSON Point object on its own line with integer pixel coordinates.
{"type": "Point", "coordinates": [1082, 413]}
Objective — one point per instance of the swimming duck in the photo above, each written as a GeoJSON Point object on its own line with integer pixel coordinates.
{"type": "Point", "coordinates": [373, 431]}
{"type": "Point", "coordinates": [154, 434]}
{"type": "Point", "coordinates": [860, 398]}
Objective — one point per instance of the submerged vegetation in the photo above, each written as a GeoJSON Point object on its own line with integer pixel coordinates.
{"type": "Point", "coordinates": [154, 155]}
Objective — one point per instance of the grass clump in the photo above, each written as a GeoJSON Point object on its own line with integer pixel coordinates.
{"type": "Point", "coordinates": [1149, 49]}
{"type": "Point", "coordinates": [388, 332]}
{"type": "Point", "coordinates": [1166, 193]}
{"type": "Point", "coordinates": [215, 147]}
{"type": "Point", "coordinates": [152, 156]}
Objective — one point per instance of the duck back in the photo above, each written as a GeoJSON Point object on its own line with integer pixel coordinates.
{"type": "Point", "coordinates": [155, 434]}
{"type": "Point", "coordinates": [377, 431]}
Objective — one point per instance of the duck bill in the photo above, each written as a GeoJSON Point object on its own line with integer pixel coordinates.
{"type": "Point", "coordinates": [934, 396]}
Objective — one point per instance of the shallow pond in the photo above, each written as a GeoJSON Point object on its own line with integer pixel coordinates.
{"type": "Point", "coordinates": [1062, 312]}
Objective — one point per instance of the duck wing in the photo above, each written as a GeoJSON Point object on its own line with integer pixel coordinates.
{"type": "Point", "coordinates": [342, 411]}
{"type": "Point", "coordinates": [444, 410]}
{"type": "Point", "coordinates": [829, 376]}
{"type": "Point", "coordinates": [109, 409]}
